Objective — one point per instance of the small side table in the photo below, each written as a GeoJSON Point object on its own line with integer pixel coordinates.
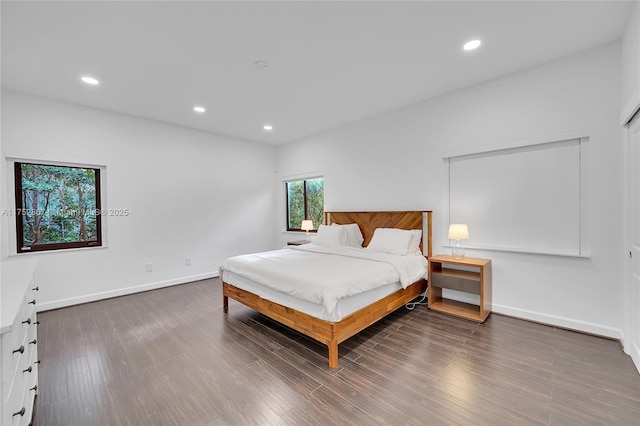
{"type": "Point", "coordinates": [298, 242]}
{"type": "Point", "coordinates": [477, 281]}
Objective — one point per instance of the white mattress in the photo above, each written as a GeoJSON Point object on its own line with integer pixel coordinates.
{"type": "Point", "coordinates": [326, 274]}
{"type": "Point", "coordinates": [345, 307]}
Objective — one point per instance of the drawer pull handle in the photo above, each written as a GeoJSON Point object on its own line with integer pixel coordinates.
{"type": "Point", "coordinates": [36, 289]}
{"type": "Point", "coordinates": [33, 302]}
{"type": "Point", "coordinates": [35, 388]}
{"type": "Point", "coordinates": [33, 342]}
{"type": "Point", "coordinates": [20, 349]}
{"type": "Point", "coordinates": [27, 370]}
{"type": "Point", "coordinates": [37, 362]}
{"type": "Point", "coordinates": [37, 323]}
{"type": "Point", "coordinates": [19, 413]}
{"type": "Point", "coordinates": [27, 321]}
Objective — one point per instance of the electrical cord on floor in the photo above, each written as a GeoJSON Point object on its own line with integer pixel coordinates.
{"type": "Point", "coordinates": [412, 305]}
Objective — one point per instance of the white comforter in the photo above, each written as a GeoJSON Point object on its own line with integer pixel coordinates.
{"type": "Point", "coordinates": [324, 274]}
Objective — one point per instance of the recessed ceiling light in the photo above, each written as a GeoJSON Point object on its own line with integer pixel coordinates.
{"type": "Point", "coordinates": [260, 64]}
{"type": "Point", "coordinates": [473, 44]}
{"type": "Point", "coordinates": [90, 80]}
{"type": "Point", "coordinates": [199, 109]}
{"type": "Point", "coordinates": [267, 127]}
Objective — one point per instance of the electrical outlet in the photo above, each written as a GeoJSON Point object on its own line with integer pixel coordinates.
{"type": "Point", "coordinates": [149, 267]}
{"type": "Point", "coordinates": [187, 261]}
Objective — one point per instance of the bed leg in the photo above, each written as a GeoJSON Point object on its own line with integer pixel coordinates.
{"type": "Point", "coordinates": [333, 354]}
{"type": "Point", "coordinates": [225, 304]}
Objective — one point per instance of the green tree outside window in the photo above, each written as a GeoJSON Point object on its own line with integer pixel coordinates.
{"type": "Point", "coordinates": [305, 200]}
{"type": "Point", "coordinates": [57, 207]}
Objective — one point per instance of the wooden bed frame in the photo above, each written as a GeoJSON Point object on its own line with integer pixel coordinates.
{"type": "Point", "coordinates": [333, 333]}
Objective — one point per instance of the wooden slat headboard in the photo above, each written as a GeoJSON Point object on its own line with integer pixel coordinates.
{"type": "Point", "coordinates": [369, 221]}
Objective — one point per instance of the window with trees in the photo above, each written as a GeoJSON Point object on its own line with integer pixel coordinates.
{"type": "Point", "coordinates": [305, 200]}
{"type": "Point", "coordinates": [57, 207]}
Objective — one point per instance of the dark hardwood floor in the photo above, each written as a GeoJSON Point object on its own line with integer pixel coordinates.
{"type": "Point", "coordinates": [171, 357]}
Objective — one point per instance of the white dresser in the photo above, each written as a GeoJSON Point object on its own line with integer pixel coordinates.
{"type": "Point", "coordinates": [18, 341]}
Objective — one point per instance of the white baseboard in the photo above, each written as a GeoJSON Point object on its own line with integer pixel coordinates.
{"type": "Point", "coordinates": [634, 353]}
{"type": "Point", "coordinates": [62, 303]}
{"type": "Point", "coordinates": [554, 320]}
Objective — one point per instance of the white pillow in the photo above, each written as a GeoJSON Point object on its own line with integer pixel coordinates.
{"type": "Point", "coordinates": [414, 244]}
{"type": "Point", "coordinates": [352, 234]}
{"type": "Point", "coordinates": [329, 236]}
{"type": "Point", "coordinates": [390, 240]}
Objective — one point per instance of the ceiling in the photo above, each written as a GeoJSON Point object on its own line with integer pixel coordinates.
{"type": "Point", "coordinates": [329, 63]}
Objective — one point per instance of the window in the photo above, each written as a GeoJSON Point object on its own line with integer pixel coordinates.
{"type": "Point", "coordinates": [57, 207]}
{"type": "Point", "coordinates": [305, 200]}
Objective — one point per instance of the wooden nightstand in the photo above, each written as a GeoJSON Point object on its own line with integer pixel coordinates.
{"type": "Point", "coordinates": [443, 274]}
{"type": "Point", "coordinates": [298, 242]}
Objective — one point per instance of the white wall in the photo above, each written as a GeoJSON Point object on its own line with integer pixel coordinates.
{"type": "Point", "coordinates": [189, 194]}
{"type": "Point", "coordinates": [631, 65]}
{"type": "Point", "coordinates": [394, 162]}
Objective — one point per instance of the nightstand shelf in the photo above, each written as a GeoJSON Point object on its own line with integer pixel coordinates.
{"type": "Point", "coordinates": [476, 281]}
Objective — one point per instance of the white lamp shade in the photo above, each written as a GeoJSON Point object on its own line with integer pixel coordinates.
{"type": "Point", "coordinates": [458, 231]}
{"type": "Point", "coordinates": [307, 225]}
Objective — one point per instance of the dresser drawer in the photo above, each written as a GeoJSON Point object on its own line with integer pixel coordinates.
{"type": "Point", "coordinates": [15, 357]}
{"type": "Point", "coordinates": [14, 338]}
{"type": "Point", "coordinates": [14, 402]}
{"type": "Point", "coordinates": [15, 376]}
{"type": "Point", "coordinates": [15, 392]}
{"type": "Point", "coordinates": [29, 392]}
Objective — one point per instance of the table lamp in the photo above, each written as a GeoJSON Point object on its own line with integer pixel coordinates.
{"type": "Point", "coordinates": [307, 225]}
{"type": "Point", "coordinates": [458, 231]}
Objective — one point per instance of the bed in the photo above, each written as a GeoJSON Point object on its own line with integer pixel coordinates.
{"type": "Point", "coordinates": [331, 331]}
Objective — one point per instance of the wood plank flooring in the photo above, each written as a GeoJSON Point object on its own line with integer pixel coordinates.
{"type": "Point", "coordinates": [171, 357]}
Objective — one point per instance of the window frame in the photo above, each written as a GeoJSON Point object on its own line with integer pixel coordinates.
{"type": "Point", "coordinates": [20, 246]}
{"type": "Point", "coordinates": [304, 194]}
